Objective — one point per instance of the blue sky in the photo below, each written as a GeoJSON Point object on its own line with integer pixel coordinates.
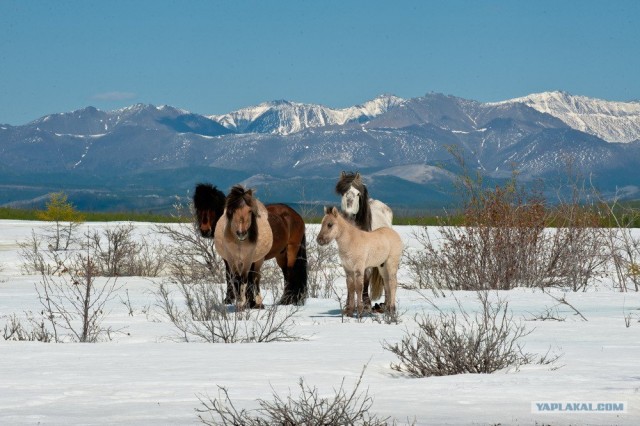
{"type": "Point", "coordinates": [212, 57]}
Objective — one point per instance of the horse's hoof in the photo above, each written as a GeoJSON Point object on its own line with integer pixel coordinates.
{"type": "Point", "coordinates": [348, 312]}
{"type": "Point", "coordinates": [286, 299]}
{"type": "Point", "coordinates": [379, 308]}
{"type": "Point", "coordinates": [258, 306]}
{"type": "Point", "coordinates": [291, 299]}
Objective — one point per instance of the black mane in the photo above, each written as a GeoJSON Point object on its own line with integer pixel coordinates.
{"type": "Point", "coordinates": [362, 219]}
{"type": "Point", "coordinates": [240, 196]}
{"type": "Point", "coordinates": [208, 197]}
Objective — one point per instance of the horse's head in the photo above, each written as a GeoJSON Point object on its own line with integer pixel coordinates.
{"type": "Point", "coordinates": [354, 193]}
{"type": "Point", "coordinates": [242, 212]}
{"type": "Point", "coordinates": [208, 203]}
{"type": "Point", "coordinates": [351, 201]}
{"type": "Point", "coordinates": [329, 227]}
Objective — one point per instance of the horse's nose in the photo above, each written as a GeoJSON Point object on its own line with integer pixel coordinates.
{"type": "Point", "coordinates": [241, 235]}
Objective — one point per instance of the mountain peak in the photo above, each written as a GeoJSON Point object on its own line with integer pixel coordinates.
{"type": "Point", "coordinates": [613, 121]}
{"type": "Point", "coordinates": [285, 117]}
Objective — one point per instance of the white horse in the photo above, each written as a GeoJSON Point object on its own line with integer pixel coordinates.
{"type": "Point", "coordinates": [381, 214]}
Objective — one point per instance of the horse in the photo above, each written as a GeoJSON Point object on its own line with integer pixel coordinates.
{"type": "Point", "coordinates": [367, 214]}
{"type": "Point", "coordinates": [359, 250]}
{"type": "Point", "coordinates": [208, 202]}
{"type": "Point", "coordinates": [276, 228]}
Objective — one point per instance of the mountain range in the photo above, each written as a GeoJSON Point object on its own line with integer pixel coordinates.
{"type": "Point", "coordinates": [147, 157]}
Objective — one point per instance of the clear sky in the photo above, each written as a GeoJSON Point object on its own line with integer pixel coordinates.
{"type": "Point", "coordinates": [212, 57]}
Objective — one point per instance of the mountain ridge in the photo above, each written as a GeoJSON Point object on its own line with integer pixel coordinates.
{"type": "Point", "coordinates": [292, 151]}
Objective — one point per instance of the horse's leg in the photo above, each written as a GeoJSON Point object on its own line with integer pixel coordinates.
{"type": "Point", "coordinates": [383, 274]}
{"type": "Point", "coordinates": [297, 273]}
{"type": "Point", "coordinates": [358, 288]}
{"type": "Point", "coordinates": [240, 288]}
{"type": "Point", "coordinates": [253, 288]}
{"type": "Point", "coordinates": [281, 260]}
{"type": "Point", "coordinates": [231, 290]}
{"type": "Point", "coordinates": [350, 293]}
{"type": "Point", "coordinates": [366, 299]}
{"type": "Point", "coordinates": [390, 275]}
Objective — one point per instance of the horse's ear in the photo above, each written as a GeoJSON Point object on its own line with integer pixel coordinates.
{"type": "Point", "coordinates": [334, 211]}
{"type": "Point", "coordinates": [327, 209]}
{"type": "Point", "coordinates": [343, 174]}
{"type": "Point", "coordinates": [357, 176]}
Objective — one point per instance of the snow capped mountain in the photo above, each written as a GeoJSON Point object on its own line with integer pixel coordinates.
{"type": "Point", "coordinates": [610, 120]}
{"type": "Point", "coordinates": [284, 117]}
{"type": "Point", "coordinates": [293, 151]}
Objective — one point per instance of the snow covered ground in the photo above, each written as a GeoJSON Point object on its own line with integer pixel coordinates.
{"type": "Point", "coordinates": [145, 377]}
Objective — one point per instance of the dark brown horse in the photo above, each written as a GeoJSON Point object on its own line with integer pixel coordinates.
{"type": "Point", "coordinates": [240, 228]}
{"type": "Point", "coordinates": [208, 202]}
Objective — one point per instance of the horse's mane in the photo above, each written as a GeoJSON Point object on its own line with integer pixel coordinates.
{"type": "Point", "coordinates": [363, 217]}
{"type": "Point", "coordinates": [240, 196]}
{"type": "Point", "coordinates": [208, 197]}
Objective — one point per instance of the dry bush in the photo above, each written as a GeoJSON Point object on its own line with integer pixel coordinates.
{"type": "Point", "coordinates": [324, 267]}
{"type": "Point", "coordinates": [307, 408]}
{"type": "Point", "coordinates": [503, 244]}
{"type": "Point", "coordinates": [36, 331]}
{"type": "Point", "coordinates": [114, 251]}
{"type": "Point", "coordinates": [39, 260]}
{"type": "Point", "coordinates": [199, 313]}
{"type": "Point", "coordinates": [75, 304]}
{"type": "Point", "coordinates": [189, 256]}
{"type": "Point", "coordinates": [457, 342]}
{"type": "Point", "coordinates": [119, 253]}
{"type": "Point", "coordinates": [623, 244]}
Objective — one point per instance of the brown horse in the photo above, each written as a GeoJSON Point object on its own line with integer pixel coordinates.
{"type": "Point", "coordinates": [359, 250]}
{"type": "Point", "coordinates": [208, 202]}
{"type": "Point", "coordinates": [243, 225]}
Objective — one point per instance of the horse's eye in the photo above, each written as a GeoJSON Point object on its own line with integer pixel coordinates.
{"type": "Point", "coordinates": [329, 225]}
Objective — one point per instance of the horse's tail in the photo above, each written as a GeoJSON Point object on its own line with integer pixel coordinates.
{"type": "Point", "coordinates": [298, 275]}
{"type": "Point", "coordinates": [377, 284]}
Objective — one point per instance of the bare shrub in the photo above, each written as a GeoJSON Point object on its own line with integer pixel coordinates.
{"type": "Point", "coordinates": [199, 313]}
{"type": "Point", "coordinates": [503, 244]}
{"type": "Point", "coordinates": [36, 331]}
{"type": "Point", "coordinates": [324, 267]}
{"type": "Point", "coordinates": [189, 256]}
{"type": "Point", "coordinates": [622, 244]}
{"type": "Point", "coordinates": [307, 408]}
{"type": "Point", "coordinates": [115, 252]}
{"type": "Point", "coordinates": [458, 342]}
{"type": "Point", "coordinates": [389, 317]}
{"type": "Point", "coordinates": [75, 303]}
{"type": "Point", "coordinates": [119, 253]}
{"type": "Point", "coordinates": [39, 260]}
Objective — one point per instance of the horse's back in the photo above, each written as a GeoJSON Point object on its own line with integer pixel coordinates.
{"type": "Point", "coordinates": [287, 227]}
{"type": "Point", "coordinates": [381, 214]}
{"type": "Point", "coordinates": [288, 215]}
{"type": "Point", "coordinates": [388, 241]}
